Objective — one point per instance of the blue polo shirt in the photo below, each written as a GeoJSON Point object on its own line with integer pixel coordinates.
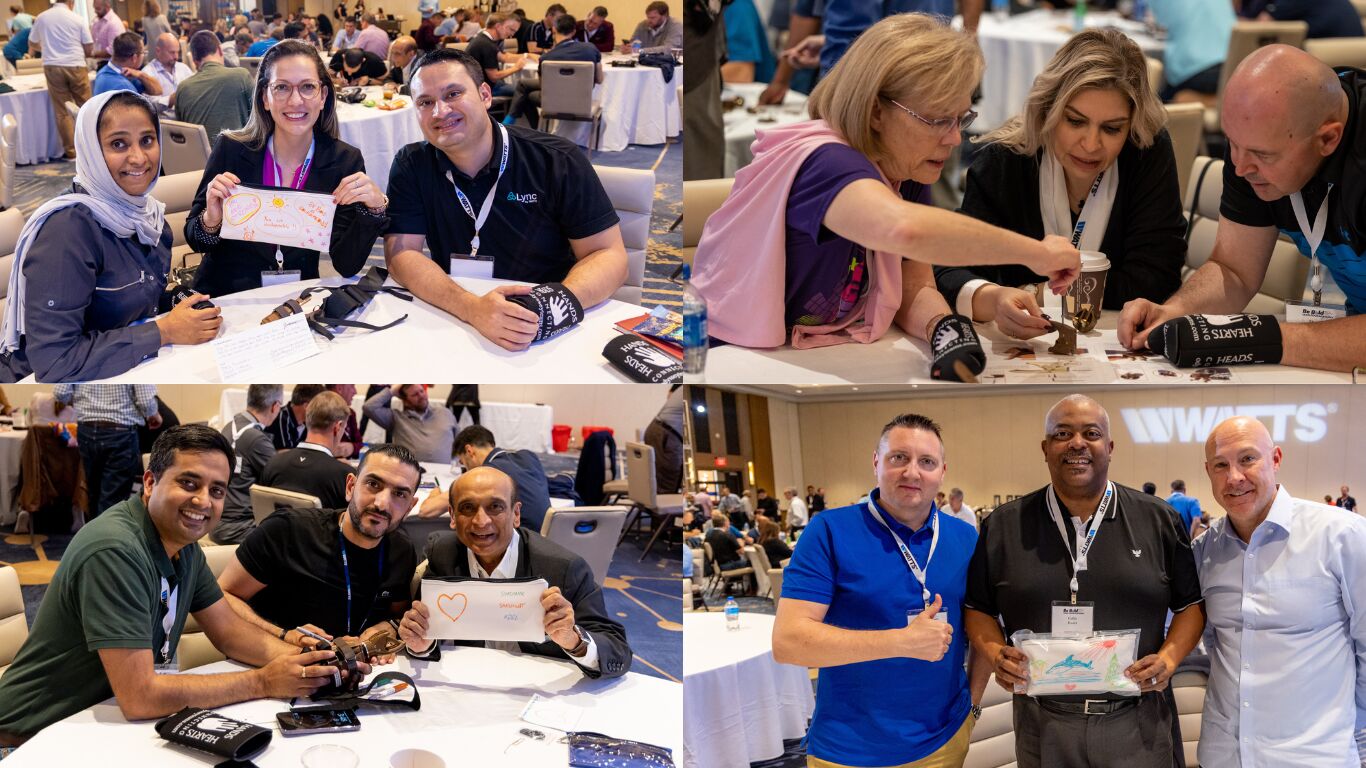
{"type": "Point", "coordinates": [111, 79]}
{"type": "Point", "coordinates": [844, 21]}
{"type": "Point", "coordinates": [1186, 506]}
{"type": "Point", "coordinates": [890, 711]}
{"type": "Point", "coordinates": [260, 47]}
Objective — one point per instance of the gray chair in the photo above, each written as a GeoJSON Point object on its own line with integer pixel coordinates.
{"type": "Point", "coordinates": [9, 137]}
{"type": "Point", "coordinates": [632, 192]}
{"type": "Point", "coordinates": [251, 63]}
{"type": "Point", "coordinates": [194, 648]}
{"type": "Point", "coordinates": [11, 224]}
{"type": "Point", "coordinates": [567, 94]}
{"type": "Point", "coordinates": [589, 532]}
{"type": "Point", "coordinates": [177, 192]}
{"type": "Point", "coordinates": [1185, 125]}
{"type": "Point", "coordinates": [1338, 51]}
{"type": "Point", "coordinates": [265, 500]}
{"type": "Point", "coordinates": [664, 509]}
{"type": "Point", "coordinates": [1248, 36]}
{"type": "Point", "coordinates": [184, 147]}
{"type": "Point", "coordinates": [13, 623]}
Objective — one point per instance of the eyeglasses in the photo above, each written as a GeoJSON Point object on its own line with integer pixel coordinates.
{"type": "Point", "coordinates": [941, 125]}
{"type": "Point", "coordinates": [307, 90]}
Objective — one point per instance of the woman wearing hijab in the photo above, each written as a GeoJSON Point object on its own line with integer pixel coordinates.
{"type": "Point", "coordinates": [90, 265]}
{"type": "Point", "coordinates": [289, 142]}
{"type": "Point", "coordinates": [1089, 160]}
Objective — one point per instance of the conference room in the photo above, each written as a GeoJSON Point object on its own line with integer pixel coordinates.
{"type": "Point", "coordinates": [1024, 68]}
{"type": "Point", "coordinates": [516, 546]}
{"type": "Point", "coordinates": [587, 211]}
{"type": "Point", "coordinates": [968, 483]}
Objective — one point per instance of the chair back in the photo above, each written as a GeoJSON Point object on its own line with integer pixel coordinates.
{"type": "Point", "coordinates": [417, 579]}
{"type": "Point", "coordinates": [1189, 689]}
{"type": "Point", "coordinates": [1248, 36]}
{"type": "Point", "coordinates": [640, 474]}
{"type": "Point", "coordinates": [29, 66]}
{"type": "Point", "coordinates": [1360, 5]}
{"type": "Point", "coordinates": [567, 89]}
{"type": "Point", "coordinates": [700, 200]}
{"type": "Point", "coordinates": [632, 192]}
{"type": "Point", "coordinates": [218, 557]}
{"type": "Point", "coordinates": [589, 532]}
{"type": "Point", "coordinates": [177, 192]}
{"type": "Point", "coordinates": [1338, 51]}
{"type": "Point", "coordinates": [1155, 71]}
{"type": "Point", "coordinates": [775, 583]}
{"type": "Point", "coordinates": [11, 224]}
{"type": "Point", "coordinates": [184, 147]}
{"type": "Point", "coordinates": [13, 623]}
{"type": "Point", "coordinates": [758, 559]}
{"type": "Point", "coordinates": [251, 63]}
{"type": "Point", "coordinates": [992, 744]}
{"type": "Point", "coordinates": [1185, 125]}
{"type": "Point", "coordinates": [458, 46]}
{"type": "Point", "coordinates": [9, 137]}
{"type": "Point", "coordinates": [265, 500]}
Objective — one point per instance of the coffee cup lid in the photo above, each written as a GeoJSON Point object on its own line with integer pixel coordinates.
{"type": "Point", "coordinates": [1094, 261]}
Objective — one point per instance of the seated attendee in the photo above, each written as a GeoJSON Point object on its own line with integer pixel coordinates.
{"type": "Point", "coordinates": [749, 57]}
{"type": "Point", "coordinates": [122, 73]}
{"type": "Point", "coordinates": [242, 42]}
{"type": "Point", "coordinates": [426, 37]}
{"type": "Point", "coordinates": [289, 427]}
{"type": "Point", "coordinates": [90, 265]}
{"type": "Point", "coordinates": [475, 446]}
{"type": "Point", "coordinates": [17, 47]}
{"type": "Point", "coordinates": [770, 538]}
{"type": "Point", "coordinates": [449, 29]}
{"type": "Point", "coordinates": [543, 32]}
{"type": "Point", "coordinates": [815, 236]}
{"type": "Point", "coordinates": [347, 37]}
{"type": "Point", "coordinates": [351, 441]}
{"type": "Point", "coordinates": [277, 22]}
{"type": "Point", "coordinates": [403, 55]}
{"type": "Point", "coordinates": [260, 47]}
{"type": "Point", "coordinates": [339, 571]}
{"type": "Point", "coordinates": [471, 25]}
{"type": "Point", "coordinates": [487, 49]}
{"type": "Point", "coordinates": [297, 30]}
{"type": "Point", "coordinates": [563, 231]}
{"type": "Point", "coordinates": [120, 597]}
{"type": "Point", "coordinates": [597, 30]}
{"type": "Point", "coordinates": [168, 69]}
{"type": "Point", "coordinates": [526, 101]}
{"type": "Point", "coordinates": [216, 96]}
{"type": "Point", "coordinates": [372, 38]}
{"type": "Point", "coordinates": [660, 32]}
{"type": "Point", "coordinates": [311, 467]}
{"type": "Point", "coordinates": [1088, 159]}
{"type": "Point", "coordinates": [523, 34]}
{"type": "Point", "coordinates": [426, 431]}
{"type": "Point", "coordinates": [725, 544]}
{"type": "Point", "coordinates": [323, 24]}
{"type": "Point", "coordinates": [356, 67]}
{"type": "Point", "coordinates": [290, 141]}
{"type": "Point", "coordinates": [254, 449]}
{"type": "Point", "coordinates": [488, 544]}
{"type": "Point", "coordinates": [1197, 44]}
{"type": "Point", "coordinates": [1326, 18]}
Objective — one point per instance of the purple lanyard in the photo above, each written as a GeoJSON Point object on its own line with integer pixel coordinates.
{"type": "Point", "coordinates": [270, 176]}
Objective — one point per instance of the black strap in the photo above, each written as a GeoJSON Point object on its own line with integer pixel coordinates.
{"type": "Point", "coordinates": [322, 325]}
{"type": "Point", "coordinates": [1195, 199]}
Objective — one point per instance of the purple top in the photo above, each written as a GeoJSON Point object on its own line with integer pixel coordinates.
{"type": "Point", "coordinates": [826, 274]}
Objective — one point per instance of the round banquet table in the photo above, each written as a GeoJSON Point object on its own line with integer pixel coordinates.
{"type": "Point", "coordinates": [1018, 49]}
{"type": "Point", "coordinates": [638, 107]}
{"type": "Point", "coordinates": [378, 134]}
{"type": "Point", "coordinates": [32, 109]}
{"type": "Point", "coordinates": [741, 123]}
{"type": "Point", "coordinates": [471, 703]}
{"type": "Point", "coordinates": [738, 702]}
{"type": "Point", "coordinates": [430, 345]}
{"type": "Point", "coordinates": [896, 358]}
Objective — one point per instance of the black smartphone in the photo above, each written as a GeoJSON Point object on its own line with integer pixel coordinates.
{"type": "Point", "coordinates": [318, 721]}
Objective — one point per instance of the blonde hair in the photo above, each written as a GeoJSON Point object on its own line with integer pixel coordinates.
{"type": "Point", "coordinates": [914, 58]}
{"type": "Point", "coordinates": [1098, 59]}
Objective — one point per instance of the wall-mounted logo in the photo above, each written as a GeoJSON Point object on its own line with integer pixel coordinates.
{"type": "Point", "coordinates": [1308, 422]}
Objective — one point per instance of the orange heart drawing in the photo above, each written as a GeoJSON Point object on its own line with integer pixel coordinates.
{"type": "Point", "coordinates": [1070, 686]}
{"type": "Point", "coordinates": [1109, 643]}
{"type": "Point", "coordinates": [441, 604]}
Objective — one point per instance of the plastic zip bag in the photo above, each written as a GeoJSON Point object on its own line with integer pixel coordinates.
{"type": "Point", "coordinates": [1062, 665]}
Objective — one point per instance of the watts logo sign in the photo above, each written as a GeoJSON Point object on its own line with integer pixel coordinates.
{"type": "Point", "coordinates": [1307, 423]}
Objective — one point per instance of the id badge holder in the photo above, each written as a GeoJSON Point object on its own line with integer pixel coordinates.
{"type": "Point", "coordinates": [279, 275]}
{"type": "Point", "coordinates": [465, 265]}
{"type": "Point", "coordinates": [1307, 312]}
{"type": "Point", "coordinates": [168, 668]}
{"type": "Point", "coordinates": [1077, 620]}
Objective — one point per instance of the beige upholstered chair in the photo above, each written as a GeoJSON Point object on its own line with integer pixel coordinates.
{"type": "Point", "coordinates": [1248, 36]}
{"type": "Point", "coordinates": [194, 648]}
{"type": "Point", "coordinates": [589, 532]}
{"type": "Point", "coordinates": [700, 201]}
{"type": "Point", "coordinates": [265, 500]}
{"type": "Point", "coordinates": [13, 623]}
{"type": "Point", "coordinates": [632, 192]}
{"type": "Point", "coordinates": [1185, 125]}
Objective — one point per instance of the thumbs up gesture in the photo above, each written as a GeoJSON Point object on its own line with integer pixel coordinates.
{"type": "Point", "coordinates": [925, 637]}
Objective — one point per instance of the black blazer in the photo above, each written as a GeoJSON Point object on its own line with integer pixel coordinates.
{"type": "Point", "coordinates": [230, 266]}
{"type": "Point", "coordinates": [1144, 240]}
{"type": "Point", "coordinates": [538, 557]}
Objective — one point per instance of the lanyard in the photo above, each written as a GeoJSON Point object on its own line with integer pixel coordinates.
{"type": "Point", "coordinates": [346, 572]}
{"type": "Point", "coordinates": [276, 173]}
{"type": "Point", "coordinates": [1081, 215]}
{"type": "Point", "coordinates": [1315, 236]}
{"type": "Point", "coordinates": [919, 573]}
{"type": "Point", "coordinates": [488, 200]}
{"type": "Point", "coordinates": [1093, 528]}
{"type": "Point", "coordinates": [169, 598]}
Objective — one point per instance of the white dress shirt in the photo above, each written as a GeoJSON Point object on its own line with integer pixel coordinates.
{"type": "Point", "coordinates": [169, 77]}
{"type": "Point", "coordinates": [1286, 638]}
{"type": "Point", "coordinates": [797, 514]}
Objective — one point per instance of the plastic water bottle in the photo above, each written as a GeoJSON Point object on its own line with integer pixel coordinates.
{"type": "Point", "coordinates": [1000, 9]}
{"type": "Point", "coordinates": [1079, 16]}
{"type": "Point", "coordinates": [635, 47]}
{"type": "Point", "coordinates": [732, 614]}
{"type": "Point", "coordinates": [1141, 11]}
{"type": "Point", "coordinates": [694, 326]}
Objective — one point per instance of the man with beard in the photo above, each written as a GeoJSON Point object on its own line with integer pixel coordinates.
{"type": "Point", "coordinates": [427, 432]}
{"type": "Point", "coordinates": [1122, 559]}
{"type": "Point", "coordinates": [337, 573]}
{"type": "Point", "coordinates": [119, 600]}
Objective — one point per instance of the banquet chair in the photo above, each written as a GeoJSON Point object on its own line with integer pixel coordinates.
{"type": "Point", "coordinates": [251, 64]}
{"type": "Point", "coordinates": [1155, 72]}
{"type": "Point", "coordinates": [687, 596]}
{"type": "Point", "coordinates": [567, 94]}
{"type": "Point", "coordinates": [1185, 126]}
{"type": "Point", "coordinates": [185, 147]}
{"type": "Point", "coordinates": [664, 509]}
{"type": "Point", "coordinates": [758, 557]}
{"type": "Point", "coordinates": [992, 744]}
{"type": "Point", "coordinates": [632, 192]}
{"type": "Point", "coordinates": [1338, 51]}
{"type": "Point", "coordinates": [458, 46]}
{"type": "Point", "coordinates": [9, 137]}
{"type": "Point", "coordinates": [29, 66]}
{"type": "Point", "coordinates": [719, 576]}
{"type": "Point", "coordinates": [1288, 270]}
{"type": "Point", "coordinates": [1247, 37]}
{"type": "Point", "coordinates": [194, 648]}
{"type": "Point", "coordinates": [11, 224]}
{"type": "Point", "coordinates": [700, 200]}
{"type": "Point", "coordinates": [589, 532]}
{"type": "Point", "coordinates": [417, 579]}
{"type": "Point", "coordinates": [13, 623]}
{"type": "Point", "coordinates": [177, 192]}
{"type": "Point", "coordinates": [1188, 686]}
{"type": "Point", "coordinates": [1360, 5]}
{"type": "Point", "coordinates": [265, 500]}
{"type": "Point", "coordinates": [775, 582]}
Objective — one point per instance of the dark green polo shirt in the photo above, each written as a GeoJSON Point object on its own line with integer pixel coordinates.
{"type": "Point", "coordinates": [106, 593]}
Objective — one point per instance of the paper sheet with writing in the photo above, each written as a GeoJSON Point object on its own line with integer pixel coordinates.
{"type": "Point", "coordinates": [253, 354]}
{"type": "Point", "coordinates": [300, 219]}
{"type": "Point", "coordinates": [485, 610]}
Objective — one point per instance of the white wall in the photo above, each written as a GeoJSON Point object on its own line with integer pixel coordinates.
{"type": "Point", "coordinates": [785, 433]}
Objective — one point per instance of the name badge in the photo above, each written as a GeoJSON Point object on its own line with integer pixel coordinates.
{"type": "Point", "coordinates": [1069, 619]}
{"type": "Point", "coordinates": [943, 615]}
{"type": "Point", "coordinates": [1305, 312]}
{"type": "Point", "coordinates": [279, 277]}
{"type": "Point", "coordinates": [169, 668]}
{"type": "Point", "coordinates": [463, 265]}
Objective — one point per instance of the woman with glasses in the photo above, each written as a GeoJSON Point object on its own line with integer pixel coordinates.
{"type": "Point", "coordinates": [289, 142]}
{"type": "Point", "coordinates": [816, 236]}
{"type": "Point", "coordinates": [1088, 160]}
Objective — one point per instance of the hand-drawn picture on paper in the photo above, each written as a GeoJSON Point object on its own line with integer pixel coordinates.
{"type": "Point", "coordinates": [300, 219]}
{"type": "Point", "coordinates": [485, 610]}
{"type": "Point", "coordinates": [1072, 665]}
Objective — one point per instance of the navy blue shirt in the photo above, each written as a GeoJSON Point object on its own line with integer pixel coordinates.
{"type": "Point", "coordinates": [1326, 18]}
{"type": "Point", "coordinates": [890, 711]}
{"type": "Point", "coordinates": [573, 50]}
{"type": "Point", "coordinates": [533, 490]}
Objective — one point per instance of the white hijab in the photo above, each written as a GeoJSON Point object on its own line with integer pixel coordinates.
{"type": "Point", "coordinates": [1089, 231]}
{"type": "Point", "coordinates": [117, 211]}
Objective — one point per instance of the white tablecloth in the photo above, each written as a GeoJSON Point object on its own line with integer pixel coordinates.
{"type": "Point", "coordinates": [32, 109]}
{"type": "Point", "coordinates": [378, 134]}
{"type": "Point", "coordinates": [1019, 48]}
{"type": "Point", "coordinates": [741, 123]}
{"type": "Point", "coordinates": [898, 358]}
{"type": "Point", "coordinates": [471, 703]}
{"type": "Point", "coordinates": [429, 346]}
{"type": "Point", "coordinates": [638, 107]}
{"type": "Point", "coordinates": [11, 447]}
{"type": "Point", "coordinates": [738, 702]}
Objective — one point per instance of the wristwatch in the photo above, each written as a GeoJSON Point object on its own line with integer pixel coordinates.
{"type": "Point", "coordinates": [582, 647]}
{"type": "Point", "coordinates": [976, 712]}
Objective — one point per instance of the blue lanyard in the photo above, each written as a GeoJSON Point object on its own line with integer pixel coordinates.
{"type": "Point", "coordinates": [346, 572]}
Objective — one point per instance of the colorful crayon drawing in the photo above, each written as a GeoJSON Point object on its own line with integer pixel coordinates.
{"type": "Point", "coordinates": [299, 219]}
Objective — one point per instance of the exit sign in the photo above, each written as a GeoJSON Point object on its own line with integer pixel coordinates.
{"type": "Point", "coordinates": [722, 461]}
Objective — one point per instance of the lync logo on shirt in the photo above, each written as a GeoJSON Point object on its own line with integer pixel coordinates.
{"type": "Point", "coordinates": [513, 197]}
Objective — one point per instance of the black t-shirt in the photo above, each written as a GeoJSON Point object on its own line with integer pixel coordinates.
{"type": "Point", "coordinates": [310, 471]}
{"type": "Point", "coordinates": [371, 66]}
{"type": "Point", "coordinates": [296, 553]}
{"type": "Point", "coordinates": [769, 507]}
{"type": "Point", "coordinates": [724, 546]}
{"type": "Point", "coordinates": [777, 551]}
{"type": "Point", "coordinates": [548, 195]}
{"type": "Point", "coordinates": [485, 50]}
{"type": "Point", "coordinates": [1022, 565]}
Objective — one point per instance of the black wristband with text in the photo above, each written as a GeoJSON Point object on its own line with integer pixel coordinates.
{"type": "Point", "coordinates": [955, 341]}
{"type": "Point", "coordinates": [1203, 341]}
{"type": "Point", "coordinates": [557, 307]}
{"type": "Point", "coordinates": [642, 361]}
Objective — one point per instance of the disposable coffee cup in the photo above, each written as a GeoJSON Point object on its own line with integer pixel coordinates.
{"type": "Point", "coordinates": [1088, 291]}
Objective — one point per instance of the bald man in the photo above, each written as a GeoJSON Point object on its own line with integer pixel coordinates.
{"type": "Point", "coordinates": [402, 56]}
{"type": "Point", "coordinates": [1297, 144]}
{"type": "Point", "coordinates": [1284, 581]}
{"type": "Point", "coordinates": [168, 69]}
{"type": "Point", "coordinates": [1121, 559]}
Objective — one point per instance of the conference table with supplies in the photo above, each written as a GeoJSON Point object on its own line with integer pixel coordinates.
{"type": "Point", "coordinates": [638, 107]}
{"type": "Point", "coordinates": [430, 345]}
{"type": "Point", "coordinates": [380, 131]}
{"type": "Point", "coordinates": [742, 122]}
{"type": "Point", "coordinates": [472, 704]}
{"type": "Point", "coordinates": [896, 357]}
{"type": "Point", "coordinates": [37, 139]}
